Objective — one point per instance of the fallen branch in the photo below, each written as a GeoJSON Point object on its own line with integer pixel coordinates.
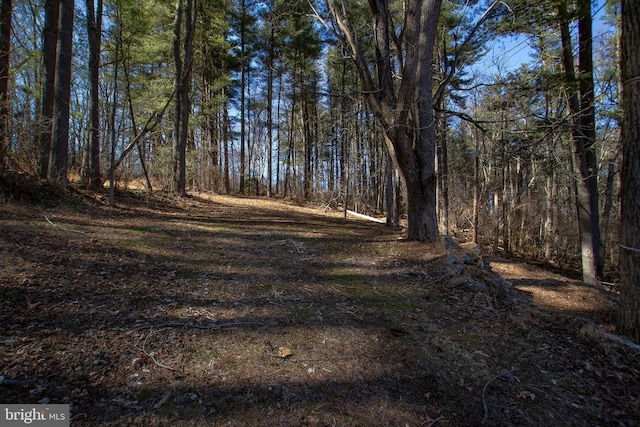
{"type": "Point", "coordinates": [595, 332]}
{"type": "Point", "coordinates": [367, 217]}
{"type": "Point", "coordinates": [484, 390]}
{"type": "Point", "coordinates": [62, 228]}
{"type": "Point", "coordinates": [150, 355]}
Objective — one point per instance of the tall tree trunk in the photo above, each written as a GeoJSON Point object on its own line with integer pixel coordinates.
{"type": "Point", "coordinates": [628, 321]}
{"type": "Point", "coordinates": [270, 83]}
{"type": "Point", "coordinates": [91, 169]}
{"type": "Point", "coordinates": [225, 149]}
{"type": "Point", "coordinates": [551, 192]}
{"type": "Point", "coordinates": [5, 49]}
{"type": "Point", "coordinates": [444, 177]}
{"type": "Point", "coordinates": [179, 149]}
{"type": "Point", "coordinates": [589, 170]}
{"type": "Point", "coordinates": [190, 22]}
{"type": "Point", "coordinates": [506, 208]}
{"type": "Point", "coordinates": [307, 146]}
{"type": "Point", "coordinates": [392, 191]}
{"type": "Point", "coordinates": [580, 103]}
{"type": "Point", "coordinates": [476, 186]}
{"type": "Point", "coordinates": [243, 86]}
{"type": "Point", "coordinates": [114, 110]}
{"type": "Point", "coordinates": [61, 106]}
{"type": "Point", "coordinates": [183, 82]}
{"type": "Point", "coordinates": [290, 165]}
{"type": "Point", "coordinates": [405, 111]}
{"type": "Point", "coordinates": [134, 128]}
{"type": "Point", "coordinates": [606, 214]}
{"type": "Point", "coordinates": [49, 48]}
{"type": "Point", "coordinates": [278, 134]}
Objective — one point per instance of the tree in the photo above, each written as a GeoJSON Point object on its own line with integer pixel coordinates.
{"type": "Point", "coordinates": [182, 85]}
{"type": "Point", "coordinates": [404, 111]}
{"type": "Point", "coordinates": [244, 70]}
{"type": "Point", "coordinates": [269, 40]}
{"type": "Point", "coordinates": [49, 48]}
{"type": "Point", "coordinates": [628, 322]}
{"type": "Point", "coordinates": [301, 51]}
{"type": "Point", "coordinates": [453, 56]}
{"type": "Point", "coordinates": [5, 49]}
{"type": "Point", "coordinates": [62, 97]}
{"type": "Point", "coordinates": [580, 101]}
{"type": "Point", "coordinates": [91, 167]}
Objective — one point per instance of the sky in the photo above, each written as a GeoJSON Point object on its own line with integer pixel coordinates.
{"type": "Point", "coordinates": [508, 53]}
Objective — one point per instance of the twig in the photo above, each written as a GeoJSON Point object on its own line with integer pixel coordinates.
{"type": "Point", "coordinates": [151, 356]}
{"type": "Point", "coordinates": [433, 422]}
{"type": "Point", "coordinates": [62, 228]}
{"type": "Point", "coordinates": [629, 248]}
{"type": "Point", "coordinates": [484, 390]}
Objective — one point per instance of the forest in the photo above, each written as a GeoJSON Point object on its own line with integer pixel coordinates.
{"type": "Point", "coordinates": [262, 98]}
{"type": "Point", "coordinates": [508, 125]}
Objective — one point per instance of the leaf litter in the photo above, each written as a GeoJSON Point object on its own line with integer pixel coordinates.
{"type": "Point", "coordinates": [213, 310]}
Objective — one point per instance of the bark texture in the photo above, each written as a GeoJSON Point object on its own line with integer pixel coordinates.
{"type": "Point", "coordinates": [580, 99]}
{"type": "Point", "coordinates": [49, 47]}
{"type": "Point", "coordinates": [628, 322]}
{"type": "Point", "coordinates": [62, 98]}
{"type": "Point", "coordinates": [91, 169]}
{"type": "Point", "coordinates": [5, 49]}
{"type": "Point", "coordinates": [405, 110]}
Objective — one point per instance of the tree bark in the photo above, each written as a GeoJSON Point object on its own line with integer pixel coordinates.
{"type": "Point", "coordinates": [183, 81]}
{"type": "Point", "coordinates": [307, 138]}
{"type": "Point", "coordinates": [443, 172]}
{"type": "Point", "coordinates": [589, 168]}
{"type": "Point", "coordinates": [243, 86]}
{"type": "Point", "coordinates": [628, 321]}
{"type": "Point", "coordinates": [270, 83]}
{"type": "Point", "coordinates": [606, 215]}
{"type": "Point", "coordinates": [178, 148]}
{"type": "Point", "coordinates": [405, 114]}
{"type": "Point", "coordinates": [5, 49]}
{"type": "Point", "coordinates": [580, 103]}
{"type": "Point", "coordinates": [61, 107]}
{"type": "Point", "coordinates": [476, 186]}
{"type": "Point", "coordinates": [91, 170]}
{"type": "Point", "coordinates": [49, 47]}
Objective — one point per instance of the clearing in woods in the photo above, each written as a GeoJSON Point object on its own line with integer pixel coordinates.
{"type": "Point", "coordinates": [215, 310]}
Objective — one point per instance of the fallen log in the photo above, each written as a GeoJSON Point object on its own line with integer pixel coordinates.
{"type": "Point", "coordinates": [367, 217]}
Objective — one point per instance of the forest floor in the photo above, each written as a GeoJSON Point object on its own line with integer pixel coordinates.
{"type": "Point", "coordinates": [213, 310]}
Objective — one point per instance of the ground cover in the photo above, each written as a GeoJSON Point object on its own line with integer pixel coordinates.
{"type": "Point", "coordinates": [214, 310]}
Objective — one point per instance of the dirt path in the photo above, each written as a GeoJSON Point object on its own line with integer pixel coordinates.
{"type": "Point", "coordinates": [228, 311]}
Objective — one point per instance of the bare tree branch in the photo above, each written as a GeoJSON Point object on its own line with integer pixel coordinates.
{"type": "Point", "coordinates": [458, 55]}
